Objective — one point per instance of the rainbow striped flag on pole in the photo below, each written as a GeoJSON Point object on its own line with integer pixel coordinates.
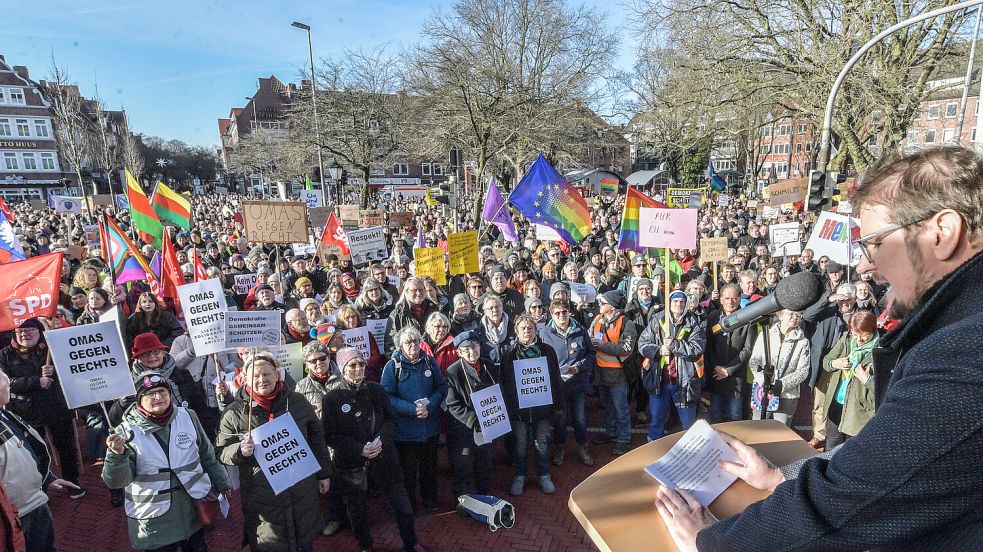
{"type": "Point", "coordinates": [546, 198]}
{"type": "Point", "coordinates": [629, 238]}
{"type": "Point", "coordinates": [171, 206]}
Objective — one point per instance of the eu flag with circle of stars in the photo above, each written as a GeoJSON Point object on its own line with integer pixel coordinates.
{"type": "Point", "coordinates": [545, 197]}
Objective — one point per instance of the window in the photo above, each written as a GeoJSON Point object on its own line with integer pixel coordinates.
{"type": "Point", "coordinates": [912, 137]}
{"type": "Point", "coordinates": [16, 96]}
{"type": "Point", "coordinates": [798, 148]}
{"type": "Point", "coordinates": [401, 169]}
{"type": "Point", "coordinates": [438, 170]}
{"type": "Point", "coordinates": [809, 147]}
{"type": "Point", "coordinates": [48, 161]}
{"type": "Point", "coordinates": [10, 161]}
{"type": "Point", "coordinates": [23, 129]}
{"type": "Point", "coordinates": [41, 128]}
{"type": "Point", "coordinates": [929, 136]}
{"type": "Point", "coordinates": [973, 138]}
{"type": "Point", "coordinates": [933, 112]}
{"type": "Point", "coordinates": [5, 127]}
{"type": "Point", "coordinates": [948, 134]}
{"type": "Point", "coordinates": [30, 163]}
{"type": "Point", "coordinates": [3, 96]}
{"type": "Point", "coordinates": [872, 141]}
{"type": "Point", "coordinates": [950, 110]}
{"type": "Point", "coordinates": [425, 169]}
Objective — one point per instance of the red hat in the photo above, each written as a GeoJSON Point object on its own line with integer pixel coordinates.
{"type": "Point", "coordinates": [146, 342]}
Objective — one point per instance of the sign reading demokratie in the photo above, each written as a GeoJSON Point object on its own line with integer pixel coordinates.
{"type": "Point", "coordinates": [252, 329]}
{"type": "Point", "coordinates": [275, 221]}
{"type": "Point", "coordinates": [204, 312]}
{"type": "Point", "coordinates": [90, 363]}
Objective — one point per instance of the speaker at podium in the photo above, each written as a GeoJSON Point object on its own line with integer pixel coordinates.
{"type": "Point", "coordinates": [616, 505]}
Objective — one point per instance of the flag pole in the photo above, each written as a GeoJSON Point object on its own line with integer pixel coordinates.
{"type": "Point", "coordinates": [665, 286]}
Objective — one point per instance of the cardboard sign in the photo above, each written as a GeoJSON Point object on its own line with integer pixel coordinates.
{"type": "Point", "coordinates": [673, 228]}
{"type": "Point", "coordinates": [713, 249]}
{"type": "Point", "coordinates": [463, 249]}
{"type": "Point", "coordinates": [371, 217]}
{"type": "Point", "coordinates": [545, 233]}
{"type": "Point", "coordinates": [401, 219]}
{"type": "Point", "coordinates": [430, 262]}
{"type": "Point", "coordinates": [318, 216]}
{"type": "Point", "coordinates": [493, 418]}
{"type": "Point", "coordinates": [788, 191]}
{"type": "Point", "coordinates": [367, 245]}
{"type": "Point", "coordinates": [835, 236]}
{"type": "Point", "coordinates": [204, 309]}
{"type": "Point", "coordinates": [105, 200]}
{"type": "Point", "coordinates": [38, 205]}
{"type": "Point", "coordinates": [723, 200]}
{"type": "Point", "coordinates": [283, 454]}
{"type": "Point", "coordinates": [252, 329]}
{"type": "Point", "coordinates": [532, 382]}
{"type": "Point", "coordinates": [348, 213]}
{"type": "Point", "coordinates": [275, 221]}
{"type": "Point", "coordinates": [243, 283]}
{"type": "Point", "coordinates": [752, 204]}
{"type": "Point", "coordinates": [291, 358]}
{"type": "Point", "coordinates": [377, 327]}
{"type": "Point", "coordinates": [311, 198]}
{"type": "Point", "coordinates": [91, 363]}
{"type": "Point", "coordinates": [770, 213]}
{"type": "Point", "coordinates": [582, 293]}
{"type": "Point", "coordinates": [358, 338]}
{"type": "Point", "coordinates": [679, 198]}
{"type": "Point", "coordinates": [783, 239]}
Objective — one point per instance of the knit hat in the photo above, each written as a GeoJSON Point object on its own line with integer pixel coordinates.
{"type": "Point", "coordinates": [32, 323]}
{"type": "Point", "coordinates": [146, 342]}
{"type": "Point", "coordinates": [643, 282]}
{"type": "Point", "coordinates": [677, 295]}
{"type": "Point", "coordinates": [301, 282]}
{"type": "Point", "coordinates": [533, 302]}
{"type": "Point", "coordinates": [306, 301]}
{"type": "Point", "coordinates": [345, 355]}
{"type": "Point", "coordinates": [658, 271]}
{"type": "Point", "coordinates": [558, 287]}
{"type": "Point", "coordinates": [614, 298]}
{"type": "Point", "coordinates": [149, 380]}
{"type": "Point", "coordinates": [639, 260]}
{"type": "Point", "coordinates": [76, 291]}
{"type": "Point", "coordinates": [461, 297]}
{"type": "Point", "coordinates": [261, 287]}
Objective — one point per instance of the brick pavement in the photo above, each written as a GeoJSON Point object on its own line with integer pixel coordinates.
{"type": "Point", "coordinates": [543, 522]}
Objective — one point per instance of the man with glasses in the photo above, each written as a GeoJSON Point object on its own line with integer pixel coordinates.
{"type": "Point", "coordinates": [910, 480]}
{"type": "Point", "coordinates": [413, 308]}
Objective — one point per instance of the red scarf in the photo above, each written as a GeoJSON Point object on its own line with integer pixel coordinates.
{"type": "Point", "coordinates": [417, 311]}
{"type": "Point", "coordinates": [266, 401]}
{"type": "Point", "coordinates": [160, 420]}
{"type": "Point", "coordinates": [317, 377]}
{"type": "Point", "coordinates": [351, 292]}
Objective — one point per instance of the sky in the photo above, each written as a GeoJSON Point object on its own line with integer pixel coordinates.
{"type": "Point", "coordinates": [176, 66]}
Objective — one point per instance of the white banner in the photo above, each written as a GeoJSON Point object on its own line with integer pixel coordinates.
{"type": "Point", "coordinates": [831, 237]}
{"type": "Point", "coordinates": [283, 454]}
{"type": "Point", "coordinates": [358, 338]}
{"type": "Point", "coordinates": [367, 245]}
{"type": "Point", "coordinates": [291, 358]}
{"type": "Point", "coordinates": [493, 418]}
{"type": "Point", "coordinates": [312, 198]}
{"type": "Point", "coordinates": [532, 382]}
{"type": "Point", "coordinates": [545, 233]}
{"type": "Point", "coordinates": [783, 239]}
{"type": "Point", "coordinates": [204, 312]}
{"type": "Point", "coordinates": [377, 327]}
{"type": "Point", "coordinates": [583, 292]}
{"type": "Point", "coordinates": [91, 363]}
{"type": "Point", "coordinates": [252, 329]}
{"type": "Point", "coordinates": [243, 283]}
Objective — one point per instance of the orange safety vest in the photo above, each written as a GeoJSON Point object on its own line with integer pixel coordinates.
{"type": "Point", "coordinates": [611, 335]}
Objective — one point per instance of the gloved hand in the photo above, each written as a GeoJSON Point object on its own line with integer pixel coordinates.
{"type": "Point", "coordinates": [776, 388]}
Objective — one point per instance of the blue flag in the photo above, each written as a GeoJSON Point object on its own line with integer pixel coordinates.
{"type": "Point", "coordinates": [716, 182]}
{"type": "Point", "coordinates": [10, 247]}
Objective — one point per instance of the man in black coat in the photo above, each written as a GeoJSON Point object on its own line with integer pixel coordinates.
{"type": "Point", "coordinates": [726, 360]}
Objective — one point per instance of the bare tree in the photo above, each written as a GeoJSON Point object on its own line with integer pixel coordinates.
{"type": "Point", "coordinates": [131, 154]}
{"type": "Point", "coordinates": [266, 152]}
{"type": "Point", "coordinates": [105, 142]}
{"type": "Point", "coordinates": [71, 128]}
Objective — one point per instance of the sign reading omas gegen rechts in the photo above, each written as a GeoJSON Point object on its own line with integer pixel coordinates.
{"type": "Point", "coordinates": [275, 221]}
{"type": "Point", "coordinates": [90, 363]}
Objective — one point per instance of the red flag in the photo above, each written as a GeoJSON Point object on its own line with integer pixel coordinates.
{"type": "Point", "coordinates": [170, 272]}
{"type": "Point", "coordinates": [200, 274]}
{"type": "Point", "coordinates": [29, 289]}
{"type": "Point", "coordinates": [334, 235]}
{"type": "Point", "coordinates": [6, 211]}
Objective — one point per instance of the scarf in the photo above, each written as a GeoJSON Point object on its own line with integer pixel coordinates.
{"type": "Point", "coordinates": [351, 292]}
{"type": "Point", "coordinates": [463, 320]}
{"type": "Point", "coordinates": [161, 419]}
{"type": "Point", "coordinates": [266, 401]}
{"type": "Point", "coordinates": [417, 311]}
{"type": "Point", "coordinates": [495, 334]}
{"type": "Point", "coordinates": [318, 377]}
{"type": "Point", "coordinates": [859, 352]}
{"type": "Point", "coordinates": [25, 350]}
{"type": "Point", "coordinates": [530, 351]}
{"type": "Point", "coordinates": [301, 337]}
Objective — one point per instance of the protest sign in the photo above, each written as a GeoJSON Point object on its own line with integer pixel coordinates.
{"type": "Point", "coordinates": [430, 262]}
{"type": "Point", "coordinates": [112, 315]}
{"type": "Point", "coordinates": [275, 221]}
{"type": "Point", "coordinates": [282, 453]}
{"type": "Point", "coordinates": [532, 382]}
{"type": "Point", "coordinates": [489, 406]}
{"type": "Point", "coordinates": [348, 214]}
{"type": "Point", "coordinates": [303, 248]}
{"type": "Point", "coordinates": [582, 293]}
{"type": "Point", "coordinates": [831, 237]}
{"type": "Point", "coordinates": [695, 199]}
{"type": "Point", "coordinates": [105, 200]}
{"type": "Point", "coordinates": [713, 249]}
{"type": "Point", "coordinates": [680, 197]}
{"type": "Point", "coordinates": [788, 191]}
{"type": "Point", "coordinates": [243, 283]}
{"type": "Point", "coordinates": [252, 329]}
{"type": "Point", "coordinates": [783, 239]}
{"type": "Point", "coordinates": [367, 245]}
{"type": "Point", "coordinates": [91, 363]}
{"type": "Point", "coordinates": [204, 311]}
{"type": "Point", "coordinates": [221, 190]}
{"type": "Point", "coordinates": [377, 327]}
{"type": "Point", "coordinates": [723, 200]}
{"type": "Point", "coordinates": [318, 216]}
{"type": "Point", "coordinates": [291, 358]}
{"type": "Point", "coordinates": [770, 213]}
{"type": "Point", "coordinates": [394, 281]}
{"type": "Point", "coordinates": [91, 234]}
{"type": "Point", "coordinates": [371, 217]}
{"type": "Point", "coordinates": [545, 233]}
{"type": "Point", "coordinates": [752, 204]}
{"type": "Point", "coordinates": [38, 205]}
{"type": "Point", "coordinates": [311, 198]}
{"type": "Point", "coordinates": [401, 219]}
{"type": "Point", "coordinates": [463, 249]}
{"type": "Point", "coordinates": [359, 339]}
{"type": "Point", "coordinates": [673, 228]}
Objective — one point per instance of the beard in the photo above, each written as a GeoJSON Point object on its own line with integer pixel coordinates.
{"type": "Point", "coordinates": [901, 309]}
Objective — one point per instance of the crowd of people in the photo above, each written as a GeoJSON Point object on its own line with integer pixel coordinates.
{"type": "Point", "coordinates": [377, 423]}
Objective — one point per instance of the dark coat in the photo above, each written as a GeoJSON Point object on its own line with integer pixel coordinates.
{"type": "Point", "coordinates": [413, 381]}
{"type": "Point", "coordinates": [354, 417]}
{"type": "Point", "coordinates": [910, 480]}
{"type": "Point", "coordinates": [400, 317]}
{"type": "Point", "coordinates": [462, 380]}
{"type": "Point", "coordinates": [167, 328]}
{"type": "Point", "coordinates": [732, 350]}
{"type": "Point", "coordinates": [824, 327]}
{"type": "Point", "coordinates": [513, 301]}
{"type": "Point", "coordinates": [27, 399]}
{"type": "Point", "coordinates": [688, 345]}
{"type": "Point", "coordinates": [510, 389]}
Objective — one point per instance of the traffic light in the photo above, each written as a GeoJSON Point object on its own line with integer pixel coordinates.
{"type": "Point", "coordinates": [443, 193]}
{"type": "Point", "coordinates": [822, 188]}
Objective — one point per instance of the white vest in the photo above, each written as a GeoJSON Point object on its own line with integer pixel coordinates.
{"type": "Point", "coordinates": [149, 494]}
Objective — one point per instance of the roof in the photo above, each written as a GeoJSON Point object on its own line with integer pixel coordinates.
{"type": "Point", "coordinates": [642, 178]}
{"type": "Point", "coordinates": [223, 126]}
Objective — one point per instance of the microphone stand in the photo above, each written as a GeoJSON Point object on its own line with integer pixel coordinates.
{"type": "Point", "coordinates": [768, 370]}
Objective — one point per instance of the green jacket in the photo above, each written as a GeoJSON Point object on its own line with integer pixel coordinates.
{"type": "Point", "coordinates": [181, 520]}
{"type": "Point", "coordinates": [858, 406]}
{"type": "Point", "coordinates": [292, 519]}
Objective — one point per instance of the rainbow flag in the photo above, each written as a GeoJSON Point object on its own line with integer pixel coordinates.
{"type": "Point", "coordinates": [629, 238]}
{"type": "Point", "coordinates": [171, 206]}
{"type": "Point", "coordinates": [716, 182]}
{"type": "Point", "coordinates": [142, 214]}
{"type": "Point", "coordinates": [124, 259]}
{"type": "Point", "coordinates": [546, 198]}
{"type": "Point", "coordinates": [609, 186]}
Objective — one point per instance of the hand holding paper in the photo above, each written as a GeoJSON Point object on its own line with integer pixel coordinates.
{"type": "Point", "coordinates": [692, 464]}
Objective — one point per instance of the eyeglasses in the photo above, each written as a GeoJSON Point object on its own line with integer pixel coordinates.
{"type": "Point", "coordinates": [158, 394]}
{"type": "Point", "coordinates": [561, 312]}
{"type": "Point", "coordinates": [315, 360]}
{"type": "Point", "coordinates": [357, 364]}
{"type": "Point", "coordinates": [867, 245]}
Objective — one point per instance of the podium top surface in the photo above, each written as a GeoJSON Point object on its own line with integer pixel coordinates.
{"type": "Point", "coordinates": [616, 505]}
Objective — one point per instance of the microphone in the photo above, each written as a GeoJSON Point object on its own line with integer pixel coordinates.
{"type": "Point", "coordinates": [796, 292]}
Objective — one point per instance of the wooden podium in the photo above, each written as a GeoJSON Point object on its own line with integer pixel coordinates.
{"type": "Point", "coordinates": [616, 505]}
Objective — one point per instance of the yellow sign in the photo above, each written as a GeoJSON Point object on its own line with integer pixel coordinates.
{"type": "Point", "coordinates": [679, 197]}
{"type": "Point", "coordinates": [463, 248]}
{"type": "Point", "coordinates": [430, 262]}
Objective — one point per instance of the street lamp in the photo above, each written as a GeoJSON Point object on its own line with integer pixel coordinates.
{"type": "Point", "coordinates": [317, 124]}
{"type": "Point", "coordinates": [335, 171]}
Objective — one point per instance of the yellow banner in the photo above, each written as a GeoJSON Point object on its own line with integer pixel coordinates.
{"type": "Point", "coordinates": [679, 197]}
{"type": "Point", "coordinates": [463, 249]}
{"type": "Point", "coordinates": [430, 262]}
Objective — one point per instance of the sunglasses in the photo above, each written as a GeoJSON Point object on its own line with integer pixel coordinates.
{"type": "Point", "coordinates": [322, 358]}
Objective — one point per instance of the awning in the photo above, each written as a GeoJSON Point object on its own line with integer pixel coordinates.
{"type": "Point", "coordinates": [642, 178]}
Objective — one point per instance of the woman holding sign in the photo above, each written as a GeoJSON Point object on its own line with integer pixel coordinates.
{"type": "Point", "coordinates": [291, 519]}
{"type": "Point", "coordinates": [531, 384]}
{"type": "Point", "coordinates": [151, 317]}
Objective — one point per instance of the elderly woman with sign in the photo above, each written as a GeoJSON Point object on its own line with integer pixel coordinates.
{"type": "Point", "coordinates": [289, 520]}
{"type": "Point", "coordinates": [162, 500]}
{"type": "Point", "coordinates": [359, 426]}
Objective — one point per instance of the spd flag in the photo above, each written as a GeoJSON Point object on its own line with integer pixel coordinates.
{"type": "Point", "coordinates": [29, 289]}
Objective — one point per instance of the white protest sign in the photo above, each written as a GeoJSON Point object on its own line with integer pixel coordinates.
{"type": "Point", "coordinates": [312, 198]}
{"type": "Point", "coordinates": [673, 228]}
{"type": "Point", "coordinates": [367, 244]}
{"type": "Point", "coordinates": [243, 283]}
{"type": "Point", "coordinates": [394, 280]}
{"type": "Point", "coordinates": [532, 382]}
{"type": "Point", "coordinates": [783, 239]}
{"type": "Point", "coordinates": [252, 329]}
{"type": "Point", "coordinates": [303, 248]}
{"type": "Point", "coordinates": [291, 358]}
{"type": "Point", "coordinates": [377, 327]}
{"type": "Point", "coordinates": [582, 292]}
{"type": "Point", "coordinates": [358, 338]}
{"type": "Point", "coordinates": [545, 233]}
{"type": "Point", "coordinates": [489, 406]}
{"type": "Point", "coordinates": [204, 312]}
{"type": "Point", "coordinates": [771, 213]}
{"type": "Point", "coordinates": [283, 454]}
{"type": "Point", "coordinates": [723, 200]}
{"type": "Point", "coordinates": [831, 237]}
{"type": "Point", "coordinates": [112, 315]}
{"type": "Point", "coordinates": [91, 363]}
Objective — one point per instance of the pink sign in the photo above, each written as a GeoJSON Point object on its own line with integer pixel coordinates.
{"type": "Point", "coordinates": [672, 228]}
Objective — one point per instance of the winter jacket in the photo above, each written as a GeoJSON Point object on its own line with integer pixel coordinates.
{"type": "Point", "coordinates": [445, 353]}
{"type": "Point", "coordinates": [314, 391]}
{"type": "Point", "coordinates": [167, 328]}
{"type": "Point", "coordinates": [402, 316]}
{"type": "Point", "coordinates": [287, 521]}
{"type": "Point", "coordinates": [823, 325]}
{"type": "Point", "coordinates": [25, 466]}
{"type": "Point", "coordinates": [732, 350]}
{"type": "Point", "coordinates": [790, 357]}
{"type": "Point", "coordinates": [27, 399]}
{"type": "Point", "coordinates": [512, 301]}
{"type": "Point", "coordinates": [858, 406]}
{"type": "Point", "coordinates": [688, 345]}
{"type": "Point", "coordinates": [462, 381]}
{"type": "Point", "coordinates": [354, 416]}
{"type": "Point", "coordinates": [495, 352]}
{"type": "Point", "coordinates": [573, 348]}
{"type": "Point", "coordinates": [511, 380]}
{"type": "Point", "coordinates": [406, 382]}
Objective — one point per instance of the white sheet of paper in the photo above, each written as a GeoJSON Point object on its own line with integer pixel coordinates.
{"type": "Point", "coordinates": [691, 464]}
{"type": "Point", "coordinates": [223, 505]}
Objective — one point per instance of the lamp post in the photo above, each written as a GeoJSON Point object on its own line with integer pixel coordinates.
{"type": "Point", "coordinates": [317, 124]}
{"type": "Point", "coordinates": [335, 171]}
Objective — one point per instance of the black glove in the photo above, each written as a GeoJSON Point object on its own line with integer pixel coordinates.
{"type": "Point", "coordinates": [776, 388]}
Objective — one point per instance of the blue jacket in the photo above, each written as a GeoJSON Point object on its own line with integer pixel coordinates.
{"type": "Point", "coordinates": [415, 381]}
{"type": "Point", "coordinates": [575, 349]}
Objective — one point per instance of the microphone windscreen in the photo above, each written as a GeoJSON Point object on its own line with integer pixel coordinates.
{"type": "Point", "coordinates": [798, 291]}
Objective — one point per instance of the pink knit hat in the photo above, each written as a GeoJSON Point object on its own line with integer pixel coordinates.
{"type": "Point", "coordinates": [345, 355]}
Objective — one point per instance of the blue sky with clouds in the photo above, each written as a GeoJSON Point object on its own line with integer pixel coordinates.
{"type": "Point", "coordinates": [178, 65]}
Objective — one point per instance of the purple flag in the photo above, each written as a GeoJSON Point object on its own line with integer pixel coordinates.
{"type": "Point", "coordinates": [497, 213]}
{"type": "Point", "coordinates": [155, 264]}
